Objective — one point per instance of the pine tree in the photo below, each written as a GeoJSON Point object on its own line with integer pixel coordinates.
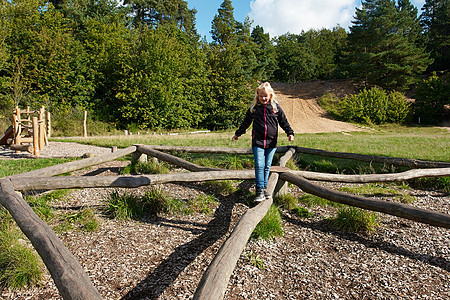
{"type": "Point", "coordinates": [435, 20]}
{"type": "Point", "coordinates": [265, 54]}
{"type": "Point", "coordinates": [383, 44]}
{"type": "Point", "coordinates": [224, 25]}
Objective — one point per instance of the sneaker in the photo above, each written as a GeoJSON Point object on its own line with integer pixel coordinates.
{"type": "Point", "coordinates": [266, 194]}
{"type": "Point", "coordinates": [260, 195]}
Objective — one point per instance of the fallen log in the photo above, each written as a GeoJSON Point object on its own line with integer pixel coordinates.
{"type": "Point", "coordinates": [70, 182]}
{"type": "Point", "coordinates": [366, 178]}
{"type": "Point", "coordinates": [76, 165]}
{"type": "Point", "coordinates": [150, 150]}
{"type": "Point", "coordinates": [404, 162]}
{"type": "Point", "coordinates": [68, 275]}
{"type": "Point", "coordinates": [391, 208]}
{"type": "Point", "coordinates": [215, 280]}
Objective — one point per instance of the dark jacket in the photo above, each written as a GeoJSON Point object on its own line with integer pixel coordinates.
{"type": "Point", "coordinates": [265, 125]}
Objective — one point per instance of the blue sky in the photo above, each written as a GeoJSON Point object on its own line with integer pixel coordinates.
{"type": "Point", "coordinates": [282, 16]}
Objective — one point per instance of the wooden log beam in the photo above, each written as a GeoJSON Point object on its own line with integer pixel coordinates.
{"type": "Point", "coordinates": [215, 280]}
{"type": "Point", "coordinates": [392, 208]}
{"type": "Point", "coordinates": [216, 150]}
{"type": "Point", "coordinates": [68, 275]}
{"type": "Point", "coordinates": [70, 182]}
{"type": "Point", "coordinates": [149, 150]}
{"type": "Point", "coordinates": [76, 165]}
{"type": "Point", "coordinates": [404, 162]}
{"type": "Point", "coordinates": [27, 148]}
{"type": "Point", "coordinates": [366, 178]}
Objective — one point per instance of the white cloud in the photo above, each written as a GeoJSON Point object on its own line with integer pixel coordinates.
{"type": "Point", "coordinates": [278, 17]}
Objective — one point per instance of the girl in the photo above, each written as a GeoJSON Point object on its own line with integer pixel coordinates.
{"type": "Point", "coordinates": [266, 114]}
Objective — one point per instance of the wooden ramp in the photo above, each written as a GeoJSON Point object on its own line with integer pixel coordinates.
{"type": "Point", "coordinates": [6, 135]}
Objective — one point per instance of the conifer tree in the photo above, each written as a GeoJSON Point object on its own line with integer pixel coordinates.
{"type": "Point", "coordinates": [383, 45]}
{"type": "Point", "coordinates": [435, 20]}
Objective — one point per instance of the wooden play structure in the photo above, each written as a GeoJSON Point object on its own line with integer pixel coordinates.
{"type": "Point", "coordinates": [30, 130]}
{"type": "Point", "coordinates": [69, 276]}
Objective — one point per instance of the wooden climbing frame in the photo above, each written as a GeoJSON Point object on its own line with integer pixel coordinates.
{"type": "Point", "coordinates": [30, 130]}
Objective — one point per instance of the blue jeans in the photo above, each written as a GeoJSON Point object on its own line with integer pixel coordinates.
{"type": "Point", "coordinates": [263, 161]}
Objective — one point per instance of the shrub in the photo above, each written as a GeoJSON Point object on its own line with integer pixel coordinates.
{"type": "Point", "coordinates": [374, 106]}
{"type": "Point", "coordinates": [432, 95]}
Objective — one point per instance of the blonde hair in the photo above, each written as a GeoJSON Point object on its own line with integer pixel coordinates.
{"type": "Point", "coordinates": [265, 86]}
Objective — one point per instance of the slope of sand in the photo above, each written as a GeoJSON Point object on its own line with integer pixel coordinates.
{"type": "Point", "coordinates": [299, 102]}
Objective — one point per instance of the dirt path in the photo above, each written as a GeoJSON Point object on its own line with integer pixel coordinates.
{"type": "Point", "coordinates": [299, 102]}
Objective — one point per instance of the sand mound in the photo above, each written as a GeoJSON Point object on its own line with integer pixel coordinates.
{"type": "Point", "coordinates": [299, 102]}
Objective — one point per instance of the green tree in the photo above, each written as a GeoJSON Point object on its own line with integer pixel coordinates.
{"type": "Point", "coordinates": [51, 62]}
{"type": "Point", "coordinates": [383, 45]}
{"type": "Point", "coordinates": [223, 26]}
{"type": "Point", "coordinates": [162, 12]}
{"type": "Point", "coordinates": [296, 60]}
{"type": "Point", "coordinates": [265, 54]}
{"type": "Point", "coordinates": [432, 95]}
{"type": "Point", "coordinates": [163, 83]}
{"type": "Point", "coordinates": [435, 20]}
{"type": "Point", "coordinates": [326, 45]}
{"type": "Point", "coordinates": [232, 62]}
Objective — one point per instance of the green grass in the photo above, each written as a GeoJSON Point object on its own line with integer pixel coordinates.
{"type": "Point", "coordinates": [270, 226]}
{"type": "Point", "coordinates": [20, 266]}
{"type": "Point", "coordinates": [127, 206]}
{"type": "Point", "coordinates": [396, 193]}
{"type": "Point", "coordinates": [17, 166]}
{"type": "Point", "coordinates": [84, 220]}
{"type": "Point", "coordinates": [353, 219]}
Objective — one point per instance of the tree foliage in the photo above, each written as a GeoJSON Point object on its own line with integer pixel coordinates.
{"type": "Point", "coordinates": [383, 44]}
{"type": "Point", "coordinates": [141, 64]}
{"type": "Point", "coordinates": [435, 20]}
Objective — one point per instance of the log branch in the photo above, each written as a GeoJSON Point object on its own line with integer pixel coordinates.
{"type": "Point", "coordinates": [70, 182]}
{"type": "Point", "coordinates": [390, 177]}
{"type": "Point", "coordinates": [404, 162]}
{"type": "Point", "coordinates": [68, 275]}
{"type": "Point", "coordinates": [391, 208]}
{"type": "Point", "coordinates": [76, 165]}
{"type": "Point", "coordinates": [150, 150]}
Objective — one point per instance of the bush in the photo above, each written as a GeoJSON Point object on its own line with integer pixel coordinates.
{"type": "Point", "coordinates": [374, 106]}
{"type": "Point", "coordinates": [432, 95]}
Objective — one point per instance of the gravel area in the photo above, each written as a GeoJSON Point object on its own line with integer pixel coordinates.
{"type": "Point", "coordinates": [164, 257]}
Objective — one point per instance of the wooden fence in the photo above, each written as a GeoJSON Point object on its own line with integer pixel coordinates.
{"type": "Point", "coordinates": [73, 283]}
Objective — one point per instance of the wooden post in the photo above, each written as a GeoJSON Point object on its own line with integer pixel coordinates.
{"type": "Point", "coordinates": [84, 124]}
{"type": "Point", "coordinates": [49, 125]}
{"type": "Point", "coordinates": [41, 125]}
{"type": "Point", "coordinates": [35, 136]}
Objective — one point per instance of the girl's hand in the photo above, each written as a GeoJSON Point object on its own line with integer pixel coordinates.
{"type": "Point", "coordinates": [235, 138]}
{"type": "Point", "coordinates": [290, 138]}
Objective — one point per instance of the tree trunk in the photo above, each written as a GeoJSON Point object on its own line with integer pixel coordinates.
{"type": "Point", "coordinates": [404, 162]}
{"type": "Point", "coordinates": [391, 208]}
{"type": "Point", "coordinates": [68, 275]}
{"type": "Point", "coordinates": [391, 177]}
{"type": "Point", "coordinates": [70, 182]}
{"type": "Point", "coordinates": [149, 150]}
{"type": "Point", "coordinates": [76, 165]}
